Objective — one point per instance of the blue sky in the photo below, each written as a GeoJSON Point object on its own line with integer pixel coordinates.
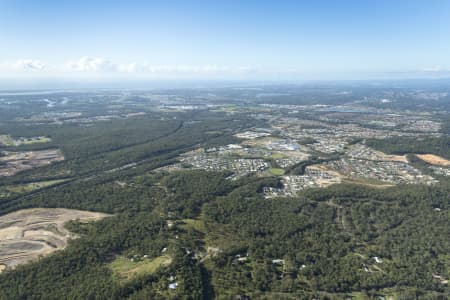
{"type": "Point", "coordinates": [225, 39]}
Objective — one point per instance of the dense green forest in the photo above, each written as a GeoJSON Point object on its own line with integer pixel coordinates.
{"type": "Point", "coordinates": [223, 239]}
{"type": "Point", "coordinates": [325, 238]}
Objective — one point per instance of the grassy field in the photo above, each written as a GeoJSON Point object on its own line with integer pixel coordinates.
{"type": "Point", "coordinates": [7, 140]}
{"type": "Point", "coordinates": [124, 269]}
{"type": "Point", "coordinates": [37, 140]}
{"type": "Point", "coordinates": [387, 294]}
{"type": "Point", "coordinates": [29, 187]}
{"type": "Point", "coordinates": [214, 235]}
{"type": "Point", "coordinates": [196, 224]}
{"type": "Point", "coordinates": [368, 182]}
{"type": "Point", "coordinates": [278, 155]}
{"type": "Point", "coordinates": [276, 171]}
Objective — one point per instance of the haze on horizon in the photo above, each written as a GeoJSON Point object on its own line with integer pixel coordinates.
{"type": "Point", "coordinates": [224, 40]}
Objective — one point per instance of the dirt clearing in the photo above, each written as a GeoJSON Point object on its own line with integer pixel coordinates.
{"type": "Point", "coordinates": [434, 160]}
{"type": "Point", "coordinates": [12, 163]}
{"type": "Point", "coordinates": [27, 234]}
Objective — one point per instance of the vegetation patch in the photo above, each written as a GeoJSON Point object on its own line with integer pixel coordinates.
{"type": "Point", "coordinates": [276, 171]}
{"type": "Point", "coordinates": [196, 224]}
{"type": "Point", "coordinates": [368, 182]}
{"type": "Point", "coordinates": [124, 269]}
{"type": "Point", "coordinates": [278, 156]}
{"type": "Point", "coordinates": [29, 187]}
{"type": "Point", "coordinates": [7, 140]}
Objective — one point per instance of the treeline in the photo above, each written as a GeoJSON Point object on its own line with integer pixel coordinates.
{"type": "Point", "coordinates": [81, 271]}
{"type": "Point", "coordinates": [324, 240]}
{"type": "Point", "coordinates": [138, 226]}
{"type": "Point", "coordinates": [403, 145]}
{"type": "Point", "coordinates": [319, 244]}
{"type": "Point", "coordinates": [83, 158]}
{"type": "Point", "coordinates": [327, 237]}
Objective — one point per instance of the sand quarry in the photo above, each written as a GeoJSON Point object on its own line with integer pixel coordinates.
{"type": "Point", "coordinates": [434, 160]}
{"type": "Point", "coordinates": [28, 234]}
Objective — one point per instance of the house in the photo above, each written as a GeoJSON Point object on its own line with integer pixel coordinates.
{"type": "Point", "coordinates": [242, 259]}
{"type": "Point", "coordinates": [173, 285]}
{"type": "Point", "coordinates": [170, 224]}
{"type": "Point", "coordinates": [377, 259]}
{"type": "Point", "coordinates": [278, 261]}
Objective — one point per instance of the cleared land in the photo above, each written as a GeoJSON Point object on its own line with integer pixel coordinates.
{"type": "Point", "coordinates": [27, 187]}
{"type": "Point", "coordinates": [397, 158]}
{"type": "Point", "coordinates": [434, 160]}
{"type": "Point", "coordinates": [27, 234]}
{"type": "Point", "coordinates": [276, 171]}
{"type": "Point", "coordinates": [14, 162]}
{"type": "Point", "coordinates": [7, 140]}
{"type": "Point", "coordinates": [124, 269]}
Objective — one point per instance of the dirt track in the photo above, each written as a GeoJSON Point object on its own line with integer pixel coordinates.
{"type": "Point", "coordinates": [27, 234]}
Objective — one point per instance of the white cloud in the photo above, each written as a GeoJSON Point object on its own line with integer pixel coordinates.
{"type": "Point", "coordinates": [21, 65]}
{"type": "Point", "coordinates": [436, 68]}
{"type": "Point", "coordinates": [29, 64]}
{"type": "Point", "coordinates": [98, 66]}
{"type": "Point", "coordinates": [102, 65]}
{"type": "Point", "coordinates": [89, 64]}
{"type": "Point", "coordinates": [187, 69]}
{"type": "Point", "coordinates": [128, 68]}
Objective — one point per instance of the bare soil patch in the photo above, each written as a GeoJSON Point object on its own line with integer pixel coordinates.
{"type": "Point", "coordinates": [28, 234]}
{"type": "Point", "coordinates": [14, 162]}
{"type": "Point", "coordinates": [434, 160]}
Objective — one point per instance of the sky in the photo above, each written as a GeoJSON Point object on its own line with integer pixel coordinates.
{"type": "Point", "coordinates": [233, 40]}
